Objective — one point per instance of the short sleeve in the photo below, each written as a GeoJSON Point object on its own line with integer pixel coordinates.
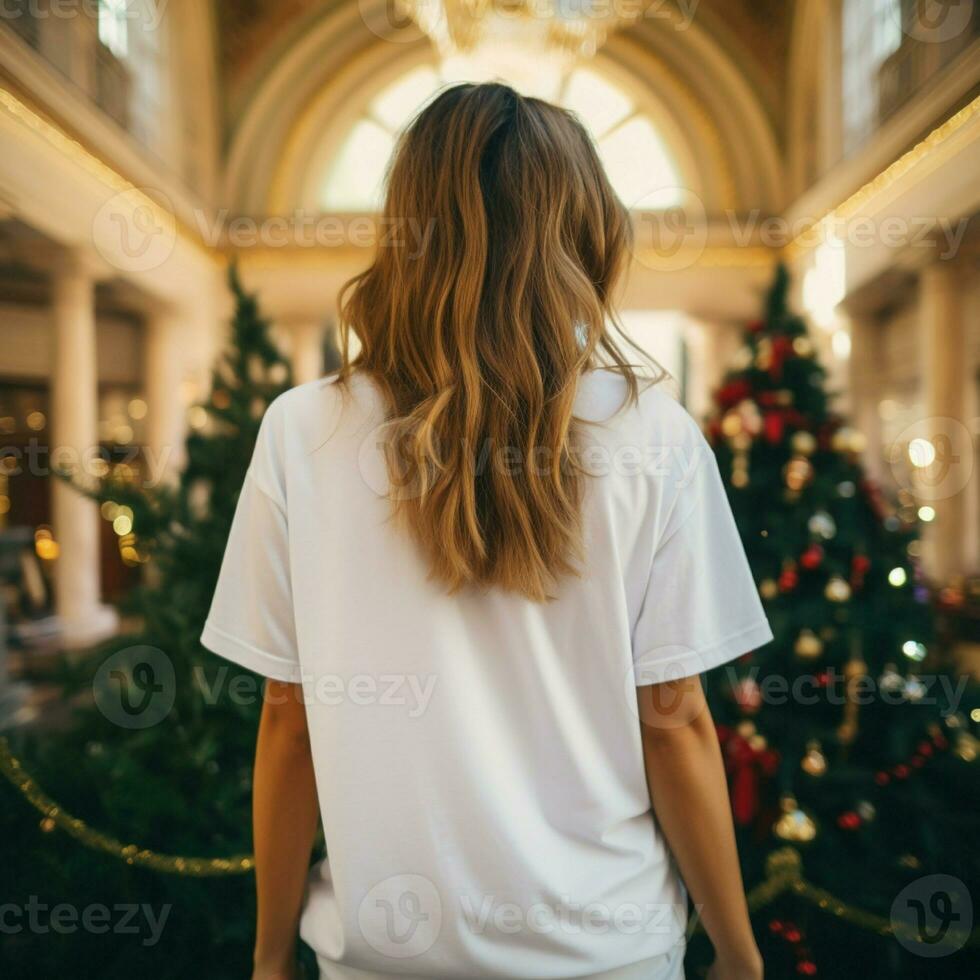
{"type": "Point", "coordinates": [701, 607]}
{"type": "Point", "coordinates": [251, 620]}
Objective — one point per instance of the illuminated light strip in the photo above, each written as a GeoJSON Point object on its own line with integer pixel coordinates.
{"type": "Point", "coordinates": [806, 240]}
{"type": "Point", "coordinates": [92, 165]}
{"type": "Point", "coordinates": [712, 257]}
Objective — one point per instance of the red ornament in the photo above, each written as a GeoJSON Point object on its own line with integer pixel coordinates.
{"type": "Point", "coordinates": [812, 557]}
{"type": "Point", "coordinates": [776, 926]}
{"type": "Point", "coordinates": [754, 326]}
{"type": "Point", "coordinates": [772, 427]}
{"type": "Point", "coordinates": [792, 934]}
{"type": "Point", "coordinates": [782, 348]}
{"type": "Point", "coordinates": [924, 748]}
{"type": "Point", "coordinates": [901, 771]}
{"type": "Point", "coordinates": [882, 778]}
{"type": "Point", "coordinates": [807, 967]}
{"type": "Point", "coordinates": [939, 741]}
{"type": "Point", "coordinates": [849, 821]}
{"type": "Point", "coordinates": [917, 761]}
{"type": "Point", "coordinates": [860, 564]}
{"type": "Point", "coordinates": [733, 392]}
{"type": "Point", "coordinates": [788, 579]}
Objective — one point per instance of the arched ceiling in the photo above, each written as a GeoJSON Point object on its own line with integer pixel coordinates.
{"type": "Point", "coordinates": [756, 32]}
{"type": "Point", "coordinates": [291, 66]}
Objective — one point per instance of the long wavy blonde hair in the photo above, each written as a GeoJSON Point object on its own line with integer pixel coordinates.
{"type": "Point", "coordinates": [477, 341]}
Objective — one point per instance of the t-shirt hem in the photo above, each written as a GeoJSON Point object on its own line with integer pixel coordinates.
{"type": "Point", "coordinates": [245, 655]}
{"type": "Point", "coordinates": [659, 668]}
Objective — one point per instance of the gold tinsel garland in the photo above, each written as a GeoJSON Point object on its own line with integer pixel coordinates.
{"type": "Point", "coordinates": [55, 816]}
{"type": "Point", "coordinates": [784, 868]}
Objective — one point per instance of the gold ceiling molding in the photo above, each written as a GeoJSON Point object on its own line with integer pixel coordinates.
{"type": "Point", "coordinates": [708, 257]}
{"type": "Point", "coordinates": [937, 141]}
{"type": "Point", "coordinates": [86, 160]}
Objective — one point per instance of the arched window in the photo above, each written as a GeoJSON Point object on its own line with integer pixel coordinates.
{"type": "Point", "coordinates": [637, 160]}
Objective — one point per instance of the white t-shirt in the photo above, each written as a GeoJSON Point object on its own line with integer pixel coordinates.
{"type": "Point", "coordinates": [478, 756]}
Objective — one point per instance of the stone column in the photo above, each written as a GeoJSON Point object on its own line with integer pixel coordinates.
{"type": "Point", "coordinates": [943, 485]}
{"type": "Point", "coordinates": [74, 431]}
{"type": "Point", "coordinates": [163, 369]}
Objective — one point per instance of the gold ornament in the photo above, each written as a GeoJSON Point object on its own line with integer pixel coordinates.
{"type": "Point", "coordinates": [803, 443]}
{"type": "Point", "coordinates": [803, 347]}
{"type": "Point", "coordinates": [966, 746]}
{"type": "Point", "coordinates": [731, 424]}
{"type": "Point", "coordinates": [742, 358]}
{"type": "Point", "coordinates": [795, 824]}
{"type": "Point", "coordinates": [854, 670]}
{"type": "Point", "coordinates": [746, 729]}
{"type": "Point", "coordinates": [822, 524]}
{"type": "Point", "coordinates": [848, 440]}
{"type": "Point", "coordinates": [808, 645]}
{"type": "Point", "coordinates": [866, 811]}
{"type": "Point", "coordinates": [837, 589]}
{"type": "Point", "coordinates": [763, 357]}
{"type": "Point", "coordinates": [814, 762]}
{"type": "Point", "coordinates": [798, 473]}
{"type": "Point", "coordinates": [751, 416]}
{"type": "Point", "coordinates": [769, 588]}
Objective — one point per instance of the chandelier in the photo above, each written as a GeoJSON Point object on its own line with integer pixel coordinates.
{"type": "Point", "coordinates": [527, 43]}
{"type": "Point", "coordinates": [574, 26]}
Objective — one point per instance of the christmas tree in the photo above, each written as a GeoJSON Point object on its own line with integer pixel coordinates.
{"type": "Point", "coordinates": [163, 756]}
{"type": "Point", "coordinates": [840, 737]}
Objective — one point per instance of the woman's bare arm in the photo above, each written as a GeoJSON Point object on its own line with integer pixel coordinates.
{"type": "Point", "coordinates": [689, 793]}
{"type": "Point", "coordinates": [284, 818]}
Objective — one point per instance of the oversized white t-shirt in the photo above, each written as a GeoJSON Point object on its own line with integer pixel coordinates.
{"type": "Point", "coordinates": [478, 755]}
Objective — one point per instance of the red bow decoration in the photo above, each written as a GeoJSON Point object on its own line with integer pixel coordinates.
{"type": "Point", "coordinates": [746, 767]}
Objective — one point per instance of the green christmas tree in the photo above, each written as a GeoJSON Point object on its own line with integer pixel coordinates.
{"type": "Point", "coordinates": [175, 775]}
{"type": "Point", "coordinates": [838, 737]}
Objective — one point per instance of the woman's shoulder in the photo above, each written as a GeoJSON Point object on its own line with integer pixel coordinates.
{"type": "Point", "coordinates": [312, 414]}
{"type": "Point", "coordinates": [656, 415]}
